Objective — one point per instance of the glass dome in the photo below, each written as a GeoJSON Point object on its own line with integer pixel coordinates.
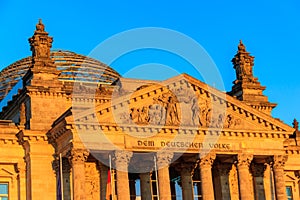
{"type": "Point", "coordinates": [72, 67]}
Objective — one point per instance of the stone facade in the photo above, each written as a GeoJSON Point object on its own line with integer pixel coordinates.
{"type": "Point", "coordinates": [174, 139]}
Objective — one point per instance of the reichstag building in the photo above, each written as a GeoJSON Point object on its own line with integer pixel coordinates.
{"type": "Point", "coordinates": [72, 128]}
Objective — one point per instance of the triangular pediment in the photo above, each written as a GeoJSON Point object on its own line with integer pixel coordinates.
{"type": "Point", "coordinates": [184, 102]}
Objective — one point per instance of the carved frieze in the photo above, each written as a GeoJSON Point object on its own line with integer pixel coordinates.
{"type": "Point", "coordinates": [166, 109]}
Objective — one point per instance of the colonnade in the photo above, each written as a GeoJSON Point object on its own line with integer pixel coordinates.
{"type": "Point", "coordinates": [204, 164]}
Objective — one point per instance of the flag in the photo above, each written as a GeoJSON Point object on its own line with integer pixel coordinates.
{"type": "Point", "coordinates": [59, 182]}
{"type": "Point", "coordinates": [108, 187]}
{"type": "Point", "coordinates": [58, 189]}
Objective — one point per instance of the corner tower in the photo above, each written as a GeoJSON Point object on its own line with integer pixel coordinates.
{"type": "Point", "coordinates": [42, 84]}
{"type": "Point", "coordinates": [246, 87]}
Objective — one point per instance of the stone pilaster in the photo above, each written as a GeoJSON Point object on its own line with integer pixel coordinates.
{"type": "Point", "coordinates": [77, 159]}
{"type": "Point", "coordinates": [206, 163]}
{"type": "Point", "coordinates": [122, 159]}
{"type": "Point", "coordinates": [21, 169]}
{"type": "Point", "coordinates": [243, 164]}
{"type": "Point", "coordinates": [163, 161]}
{"type": "Point", "coordinates": [186, 171]}
{"type": "Point", "coordinates": [145, 179]}
{"type": "Point", "coordinates": [278, 168]}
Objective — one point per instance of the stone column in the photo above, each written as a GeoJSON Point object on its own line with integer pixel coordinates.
{"type": "Point", "coordinates": [244, 161]}
{"type": "Point", "coordinates": [103, 180]}
{"type": "Point", "coordinates": [206, 163]}
{"type": "Point", "coordinates": [221, 180]}
{"type": "Point", "coordinates": [77, 159]}
{"type": "Point", "coordinates": [278, 168]}
{"type": "Point", "coordinates": [132, 189]}
{"type": "Point", "coordinates": [122, 159]}
{"type": "Point", "coordinates": [145, 184]}
{"type": "Point", "coordinates": [164, 188]}
{"type": "Point", "coordinates": [186, 170]}
{"type": "Point", "coordinates": [267, 181]}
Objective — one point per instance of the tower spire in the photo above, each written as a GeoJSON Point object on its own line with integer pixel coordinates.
{"type": "Point", "coordinates": [246, 87]}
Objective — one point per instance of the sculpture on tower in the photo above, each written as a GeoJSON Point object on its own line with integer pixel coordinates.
{"type": "Point", "coordinates": [40, 43]}
{"type": "Point", "coordinates": [243, 64]}
{"type": "Point", "coordinates": [246, 87]}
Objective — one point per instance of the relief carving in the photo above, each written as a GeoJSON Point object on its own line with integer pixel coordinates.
{"type": "Point", "coordinates": [184, 94]}
{"type": "Point", "coordinates": [169, 109]}
{"type": "Point", "coordinates": [231, 121]}
{"type": "Point", "coordinates": [155, 114]}
{"type": "Point", "coordinates": [196, 119]}
{"type": "Point", "coordinates": [184, 108]}
{"type": "Point", "coordinates": [139, 115]}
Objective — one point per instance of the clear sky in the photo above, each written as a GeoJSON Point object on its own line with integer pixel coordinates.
{"type": "Point", "coordinates": [269, 29]}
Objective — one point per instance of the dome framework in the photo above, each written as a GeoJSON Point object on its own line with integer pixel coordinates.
{"type": "Point", "coordinates": [72, 67]}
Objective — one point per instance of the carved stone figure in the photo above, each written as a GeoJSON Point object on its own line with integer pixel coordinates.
{"type": "Point", "coordinates": [169, 110]}
{"type": "Point", "coordinates": [196, 113]}
{"type": "Point", "coordinates": [154, 114]}
{"type": "Point", "coordinates": [135, 115]}
{"type": "Point", "coordinates": [144, 115]}
{"type": "Point", "coordinates": [228, 121]}
{"type": "Point", "coordinates": [40, 26]}
{"type": "Point", "coordinates": [172, 112]}
{"type": "Point", "coordinates": [139, 115]}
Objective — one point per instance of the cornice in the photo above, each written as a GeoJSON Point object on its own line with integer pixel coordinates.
{"type": "Point", "coordinates": [183, 130]}
{"type": "Point", "coordinates": [31, 136]}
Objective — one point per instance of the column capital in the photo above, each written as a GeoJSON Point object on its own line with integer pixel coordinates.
{"type": "Point", "coordinates": [164, 158]}
{"type": "Point", "coordinates": [244, 159]}
{"type": "Point", "coordinates": [121, 159]}
{"type": "Point", "coordinates": [279, 161]}
{"type": "Point", "coordinates": [207, 160]}
{"type": "Point", "coordinates": [186, 168]}
{"type": "Point", "coordinates": [77, 156]}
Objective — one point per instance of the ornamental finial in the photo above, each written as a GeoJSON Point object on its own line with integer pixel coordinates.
{"type": "Point", "coordinates": [241, 47]}
{"type": "Point", "coordinates": [40, 26]}
{"type": "Point", "coordinates": [296, 125]}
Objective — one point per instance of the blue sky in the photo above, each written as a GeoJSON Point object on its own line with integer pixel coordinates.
{"type": "Point", "coordinates": [269, 29]}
